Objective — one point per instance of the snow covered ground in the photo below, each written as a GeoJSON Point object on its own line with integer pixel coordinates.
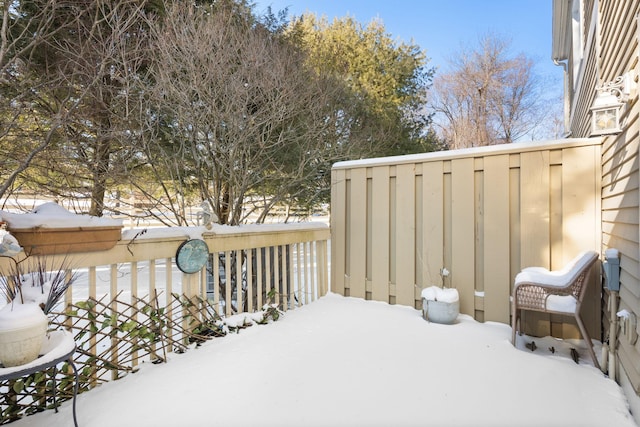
{"type": "Point", "coordinates": [348, 362]}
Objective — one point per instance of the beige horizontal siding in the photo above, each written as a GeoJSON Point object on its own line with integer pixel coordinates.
{"type": "Point", "coordinates": [618, 54]}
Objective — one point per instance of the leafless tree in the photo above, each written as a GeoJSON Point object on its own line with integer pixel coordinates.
{"type": "Point", "coordinates": [233, 114]}
{"type": "Point", "coordinates": [487, 97]}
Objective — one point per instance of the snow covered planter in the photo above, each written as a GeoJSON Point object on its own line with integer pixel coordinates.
{"type": "Point", "coordinates": [51, 229]}
{"type": "Point", "coordinates": [22, 332]}
{"type": "Point", "coordinates": [440, 304]}
{"type": "Point", "coordinates": [23, 320]}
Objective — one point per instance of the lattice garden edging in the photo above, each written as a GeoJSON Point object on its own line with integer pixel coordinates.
{"type": "Point", "coordinates": [112, 339]}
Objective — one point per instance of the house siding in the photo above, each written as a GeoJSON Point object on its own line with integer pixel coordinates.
{"type": "Point", "coordinates": [612, 50]}
{"type": "Point", "coordinates": [618, 36]}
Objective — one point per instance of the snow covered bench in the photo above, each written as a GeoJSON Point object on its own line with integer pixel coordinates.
{"type": "Point", "coordinates": [554, 292]}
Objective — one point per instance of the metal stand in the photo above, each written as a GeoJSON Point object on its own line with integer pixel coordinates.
{"type": "Point", "coordinates": [59, 347]}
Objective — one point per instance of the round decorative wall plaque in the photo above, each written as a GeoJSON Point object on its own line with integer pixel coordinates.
{"type": "Point", "coordinates": [192, 255]}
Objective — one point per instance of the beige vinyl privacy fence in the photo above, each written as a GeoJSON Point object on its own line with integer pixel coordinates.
{"type": "Point", "coordinates": [483, 213]}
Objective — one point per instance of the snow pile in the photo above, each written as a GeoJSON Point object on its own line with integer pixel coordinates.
{"type": "Point", "coordinates": [9, 245]}
{"type": "Point", "coordinates": [241, 320]}
{"type": "Point", "coordinates": [15, 315]}
{"type": "Point", "coordinates": [436, 293]}
{"type": "Point", "coordinates": [561, 303]}
{"type": "Point", "coordinates": [52, 215]}
{"type": "Point", "coordinates": [33, 293]}
{"type": "Point", "coordinates": [217, 229]}
{"type": "Point", "coordinates": [612, 253]}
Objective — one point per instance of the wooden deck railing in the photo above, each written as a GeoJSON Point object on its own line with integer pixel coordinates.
{"type": "Point", "coordinates": [131, 304]}
{"type": "Point", "coordinates": [143, 263]}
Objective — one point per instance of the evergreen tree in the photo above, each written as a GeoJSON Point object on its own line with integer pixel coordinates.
{"type": "Point", "coordinates": [383, 112]}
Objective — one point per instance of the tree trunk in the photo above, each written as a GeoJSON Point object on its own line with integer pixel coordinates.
{"type": "Point", "coordinates": [100, 173]}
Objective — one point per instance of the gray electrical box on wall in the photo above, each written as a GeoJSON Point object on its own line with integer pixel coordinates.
{"type": "Point", "coordinates": [611, 267]}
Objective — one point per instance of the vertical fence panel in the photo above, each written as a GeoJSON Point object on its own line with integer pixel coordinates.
{"type": "Point", "coordinates": [514, 218]}
{"type": "Point", "coordinates": [405, 234]}
{"type": "Point", "coordinates": [479, 261]}
{"type": "Point", "coordinates": [358, 233]}
{"type": "Point", "coordinates": [555, 227]}
{"type": "Point", "coordinates": [496, 241]}
{"type": "Point", "coordinates": [555, 208]}
{"type": "Point", "coordinates": [534, 209]}
{"type": "Point", "coordinates": [580, 185]}
{"type": "Point", "coordinates": [463, 232]}
{"type": "Point", "coordinates": [338, 230]}
{"type": "Point", "coordinates": [380, 234]}
{"type": "Point", "coordinates": [535, 243]}
{"type": "Point", "coordinates": [433, 222]}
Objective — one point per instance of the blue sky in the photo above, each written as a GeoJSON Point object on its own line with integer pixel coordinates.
{"type": "Point", "coordinates": [443, 27]}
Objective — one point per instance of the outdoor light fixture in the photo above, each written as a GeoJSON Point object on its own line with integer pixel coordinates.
{"type": "Point", "coordinates": [607, 107]}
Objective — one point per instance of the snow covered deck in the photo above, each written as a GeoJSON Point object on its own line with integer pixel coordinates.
{"type": "Point", "coordinates": [349, 362]}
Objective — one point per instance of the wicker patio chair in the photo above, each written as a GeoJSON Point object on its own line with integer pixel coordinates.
{"type": "Point", "coordinates": [555, 292]}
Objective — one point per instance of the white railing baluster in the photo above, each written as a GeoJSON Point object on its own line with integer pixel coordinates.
{"type": "Point", "coordinates": [299, 287]}
{"type": "Point", "coordinates": [314, 272]}
{"type": "Point", "coordinates": [307, 273]}
{"type": "Point", "coordinates": [215, 268]}
{"type": "Point", "coordinates": [268, 285]}
{"type": "Point", "coordinates": [113, 290]}
{"type": "Point", "coordinates": [134, 302]}
{"type": "Point", "coordinates": [238, 274]}
{"type": "Point", "coordinates": [227, 284]}
{"type": "Point", "coordinates": [250, 280]}
{"type": "Point", "coordinates": [259, 281]}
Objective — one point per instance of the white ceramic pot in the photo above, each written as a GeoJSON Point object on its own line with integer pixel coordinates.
{"type": "Point", "coordinates": [440, 311]}
{"type": "Point", "coordinates": [21, 338]}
